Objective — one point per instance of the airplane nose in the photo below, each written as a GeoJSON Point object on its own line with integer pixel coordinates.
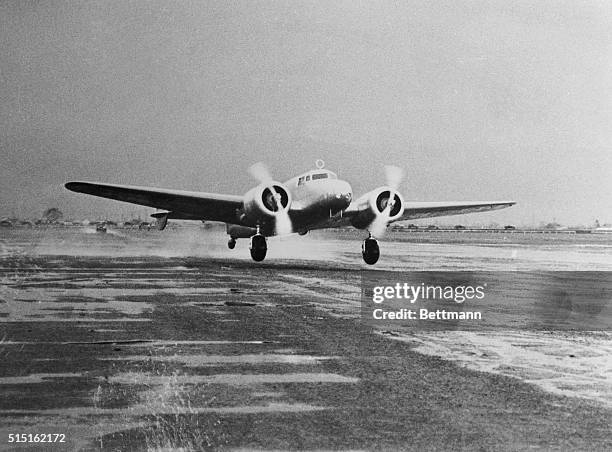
{"type": "Point", "coordinates": [343, 194]}
{"type": "Point", "coordinates": [348, 197]}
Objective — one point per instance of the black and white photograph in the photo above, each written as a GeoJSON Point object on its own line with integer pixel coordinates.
{"type": "Point", "coordinates": [305, 225]}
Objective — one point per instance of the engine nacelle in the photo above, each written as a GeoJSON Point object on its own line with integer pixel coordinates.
{"type": "Point", "coordinates": [374, 203]}
{"type": "Point", "coordinates": [240, 232]}
{"type": "Point", "coordinates": [265, 203]}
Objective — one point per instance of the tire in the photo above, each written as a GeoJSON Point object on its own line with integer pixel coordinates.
{"type": "Point", "coordinates": [259, 248]}
{"type": "Point", "coordinates": [258, 255]}
{"type": "Point", "coordinates": [370, 251]}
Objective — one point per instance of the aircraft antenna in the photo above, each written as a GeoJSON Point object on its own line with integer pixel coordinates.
{"type": "Point", "coordinates": [320, 164]}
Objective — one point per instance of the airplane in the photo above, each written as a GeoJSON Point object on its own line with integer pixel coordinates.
{"type": "Point", "coordinates": [316, 199]}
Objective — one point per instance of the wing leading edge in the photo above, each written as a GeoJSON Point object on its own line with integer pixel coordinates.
{"type": "Point", "coordinates": [188, 205]}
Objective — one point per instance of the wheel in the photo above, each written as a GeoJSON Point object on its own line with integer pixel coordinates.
{"type": "Point", "coordinates": [258, 247]}
{"type": "Point", "coordinates": [370, 251]}
{"type": "Point", "coordinates": [231, 243]}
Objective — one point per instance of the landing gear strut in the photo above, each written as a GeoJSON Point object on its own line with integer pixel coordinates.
{"type": "Point", "coordinates": [231, 243]}
{"type": "Point", "coordinates": [370, 250]}
{"type": "Point", "coordinates": [258, 247]}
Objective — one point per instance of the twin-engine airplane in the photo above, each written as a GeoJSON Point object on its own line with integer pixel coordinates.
{"type": "Point", "coordinates": [316, 199]}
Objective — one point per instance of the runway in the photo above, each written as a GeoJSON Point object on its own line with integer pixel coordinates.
{"type": "Point", "coordinates": [149, 340]}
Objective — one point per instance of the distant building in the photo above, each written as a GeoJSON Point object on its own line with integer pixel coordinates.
{"type": "Point", "coordinates": [52, 215]}
{"type": "Point", "coordinates": [554, 226]}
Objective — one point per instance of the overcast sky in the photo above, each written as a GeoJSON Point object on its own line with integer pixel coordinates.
{"type": "Point", "coordinates": [476, 100]}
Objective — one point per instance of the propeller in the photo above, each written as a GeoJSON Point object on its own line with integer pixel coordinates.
{"type": "Point", "coordinates": [261, 173]}
{"type": "Point", "coordinates": [394, 176]}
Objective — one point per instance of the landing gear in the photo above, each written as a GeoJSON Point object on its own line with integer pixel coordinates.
{"type": "Point", "coordinates": [258, 247]}
{"type": "Point", "coordinates": [370, 250]}
{"type": "Point", "coordinates": [231, 243]}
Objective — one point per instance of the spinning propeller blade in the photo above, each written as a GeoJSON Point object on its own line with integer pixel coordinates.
{"type": "Point", "coordinates": [282, 221]}
{"type": "Point", "coordinates": [394, 176]}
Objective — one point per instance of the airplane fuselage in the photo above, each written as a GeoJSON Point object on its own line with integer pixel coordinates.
{"type": "Point", "coordinates": [318, 195]}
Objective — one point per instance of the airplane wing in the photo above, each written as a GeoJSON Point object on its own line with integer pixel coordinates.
{"type": "Point", "coordinates": [415, 210]}
{"type": "Point", "coordinates": [187, 205]}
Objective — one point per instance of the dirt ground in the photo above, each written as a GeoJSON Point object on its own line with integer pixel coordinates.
{"type": "Point", "coordinates": [131, 341]}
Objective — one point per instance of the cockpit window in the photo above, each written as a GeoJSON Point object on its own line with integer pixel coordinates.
{"type": "Point", "coordinates": [329, 175]}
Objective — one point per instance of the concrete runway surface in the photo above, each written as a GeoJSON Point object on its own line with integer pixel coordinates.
{"type": "Point", "coordinates": [136, 340]}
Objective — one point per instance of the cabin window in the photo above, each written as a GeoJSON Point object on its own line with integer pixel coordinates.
{"type": "Point", "coordinates": [319, 176]}
{"type": "Point", "coordinates": [301, 180]}
{"type": "Point", "coordinates": [307, 178]}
